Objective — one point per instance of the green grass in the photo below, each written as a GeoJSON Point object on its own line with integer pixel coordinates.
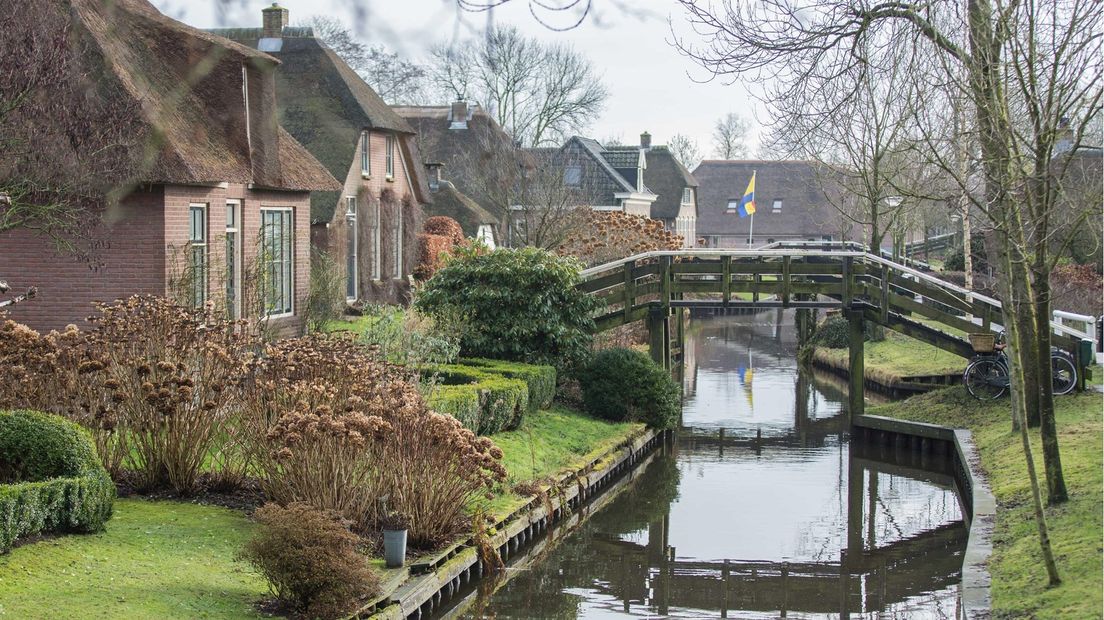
{"type": "Point", "coordinates": [1019, 579]}
{"type": "Point", "coordinates": [354, 324]}
{"type": "Point", "coordinates": [549, 443]}
{"type": "Point", "coordinates": [899, 356]}
{"type": "Point", "coordinates": [154, 560]}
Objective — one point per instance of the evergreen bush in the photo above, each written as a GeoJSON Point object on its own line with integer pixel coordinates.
{"type": "Point", "coordinates": [833, 332]}
{"type": "Point", "coordinates": [484, 402]}
{"type": "Point", "coordinates": [50, 478]}
{"type": "Point", "coordinates": [626, 385]}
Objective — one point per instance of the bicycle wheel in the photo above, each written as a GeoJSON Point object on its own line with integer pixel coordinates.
{"type": "Point", "coordinates": [986, 379]}
{"type": "Point", "coordinates": [1064, 373]}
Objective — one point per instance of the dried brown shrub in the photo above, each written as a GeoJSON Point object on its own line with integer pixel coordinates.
{"type": "Point", "coordinates": [310, 560]}
{"type": "Point", "coordinates": [432, 251]}
{"type": "Point", "coordinates": [337, 428]}
{"type": "Point", "coordinates": [611, 235]}
{"type": "Point", "coordinates": [446, 227]}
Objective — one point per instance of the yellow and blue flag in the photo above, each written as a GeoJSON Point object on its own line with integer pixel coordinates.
{"type": "Point", "coordinates": [747, 204]}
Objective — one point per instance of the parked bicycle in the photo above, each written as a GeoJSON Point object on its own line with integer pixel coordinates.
{"type": "Point", "coordinates": [986, 376]}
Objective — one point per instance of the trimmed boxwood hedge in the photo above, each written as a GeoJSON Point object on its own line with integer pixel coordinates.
{"type": "Point", "coordinates": [50, 478]}
{"type": "Point", "coordinates": [541, 379]}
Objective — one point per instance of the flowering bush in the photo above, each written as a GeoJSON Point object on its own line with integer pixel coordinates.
{"type": "Point", "coordinates": [338, 429]}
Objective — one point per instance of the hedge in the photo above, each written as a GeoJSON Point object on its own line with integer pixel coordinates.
{"type": "Point", "coordinates": [541, 379]}
{"type": "Point", "coordinates": [50, 478]}
{"type": "Point", "coordinates": [484, 402]}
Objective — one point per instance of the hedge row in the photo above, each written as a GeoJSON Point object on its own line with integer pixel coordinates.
{"type": "Point", "coordinates": [489, 396]}
{"type": "Point", "coordinates": [50, 478]}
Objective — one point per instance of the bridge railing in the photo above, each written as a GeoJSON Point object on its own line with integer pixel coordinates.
{"type": "Point", "coordinates": [895, 295]}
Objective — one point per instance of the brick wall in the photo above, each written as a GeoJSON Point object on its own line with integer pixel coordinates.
{"type": "Point", "coordinates": [124, 258]}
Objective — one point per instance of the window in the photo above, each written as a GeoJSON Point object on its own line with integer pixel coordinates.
{"type": "Point", "coordinates": [733, 204]}
{"type": "Point", "coordinates": [390, 170]}
{"type": "Point", "coordinates": [396, 246]}
{"type": "Point", "coordinates": [776, 206]}
{"type": "Point", "coordinates": [278, 260]}
{"type": "Point", "coordinates": [197, 244]}
{"type": "Point", "coordinates": [365, 155]}
{"type": "Point", "coordinates": [351, 248]}
{"type": "Point", "coordinates": [233, 264]}
{"type": "Point", "coordinates": [573, 176]}
{"type": "Point", "coordinates": [376, 238]}
{"type": "Point", "coordinates": [687, 195]}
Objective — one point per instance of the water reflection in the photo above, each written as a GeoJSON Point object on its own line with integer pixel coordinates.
{"type": "Point", "coordinates": [759, 507]}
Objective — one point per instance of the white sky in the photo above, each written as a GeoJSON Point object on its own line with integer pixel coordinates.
{"type": "Point", "coordinates": [652, 87]}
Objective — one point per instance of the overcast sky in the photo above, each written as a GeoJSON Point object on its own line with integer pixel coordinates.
{"type": "Point", "coordinates": [652, 87]}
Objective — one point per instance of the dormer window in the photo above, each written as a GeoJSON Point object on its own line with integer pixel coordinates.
{"type": "Point", "coordinates": [365, 155]}
{"type": "Point", "coordinates": [390, 168]}
{"type": "Point", "coordinates": [573, 176]}
{"type": "Point", "coordinates": [687, 195]}
{"type": "Point", "coordinates": [776, 206]}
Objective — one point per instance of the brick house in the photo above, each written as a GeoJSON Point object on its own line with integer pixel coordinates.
{"type": "Point", "coordinates": [370, 225]}
{"type": "Point", "coordinates": [212, 191]}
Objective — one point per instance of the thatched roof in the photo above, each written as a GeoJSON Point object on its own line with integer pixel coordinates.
{"type": "Point", "coordinates": [325, 105]}
{"type": "Point", "coordinates": [667, 177]}
{"type": "Point", "coordinates": [185, 89]}
{"type": "Point", "coordinates": [451, 202]}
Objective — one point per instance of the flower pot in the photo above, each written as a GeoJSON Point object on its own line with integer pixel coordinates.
{"type": "Point", "coordinates": [394, 547]}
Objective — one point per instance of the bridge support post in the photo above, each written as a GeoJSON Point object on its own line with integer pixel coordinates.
{"type": "Point", "coordinates": [659, 336]}
{"type": "Point", "coordinates": [855, 392]}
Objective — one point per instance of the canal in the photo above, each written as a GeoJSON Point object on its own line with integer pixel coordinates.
{"type": "Point", "coordinates": [759, 506]}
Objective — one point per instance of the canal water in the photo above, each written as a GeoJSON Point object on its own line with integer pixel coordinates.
{"type": "Point", "coordinates": [759, 507]}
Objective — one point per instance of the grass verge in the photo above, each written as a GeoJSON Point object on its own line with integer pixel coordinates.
{"type": "Point", "coordinates": [897, 356]}
{"type": "Point", "coordinates": [1019, 581]}
{"type": "Point", "coordinates": [156, 559]}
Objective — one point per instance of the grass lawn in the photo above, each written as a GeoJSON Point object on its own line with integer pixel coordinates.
{"type": "Point", "coordinates": [1019, 579]}
{"type": "Point", "coordinates": [899, 356]}
{"type": "Point", "coordinates": [549, 443]}
{"type": "Point", "coordinates": [158, 559]}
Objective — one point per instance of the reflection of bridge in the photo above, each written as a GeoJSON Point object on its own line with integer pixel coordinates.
{"type": "Point", "coordinates": [867, 287]}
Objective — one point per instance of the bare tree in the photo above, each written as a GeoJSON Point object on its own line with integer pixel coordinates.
{"type": "Point", "coordinates": [685, 149]}
{"type": "Point", "coordinates": [1023, 66]}
{"type": "Point", "coordinates": [538, 92]}
{"type": "Point", "coordinates": [395, 78]}
{"type": "Point", "coordinates": [730, 137]}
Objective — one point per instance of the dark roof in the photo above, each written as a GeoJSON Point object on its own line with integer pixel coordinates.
{"type": "Point", "coordinates": [140, 59]}
{"type": "Point", "coordinates": [325, 105]}
{"type": "Point", "coordinates": [667, 177]}
{"type": "Point", "coordinates": [450, 201]}
{"type": "Point", "coordinates": [806, 211]}
{"type": "Point", "coordinates": [599, 153]}
{"type": "Point", "coordinates": [476, 159]}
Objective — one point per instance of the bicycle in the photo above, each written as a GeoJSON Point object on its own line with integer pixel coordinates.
{"type": "Point", "coordinates": [986, 376]}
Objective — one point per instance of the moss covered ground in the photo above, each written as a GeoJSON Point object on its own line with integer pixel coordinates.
{"type": "Point", "coordinates": [1019, 587]}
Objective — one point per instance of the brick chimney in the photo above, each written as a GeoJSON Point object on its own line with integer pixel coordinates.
{"type": "Point", "coordinates": [459, 115]}
{"type": "Point", "coordinates": [645, 140]}
{"type": "Point", "coordinates": [273, 18]}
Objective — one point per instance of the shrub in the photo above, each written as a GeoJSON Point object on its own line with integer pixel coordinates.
{"type": "Point", "coordinates": [519, 305]}
{"type": "Point", "coordinates": [310, 560]}
{"type": "Point", "coordinates": [956, 261]}
{"type": "Point", "coordinates": [610, 235]}
{"type": "Point", "coordinates": [623, 385]}
{"type": "Point", "coordinates": [432, 250]}
{"type": "Point", "coordinates": [336, 428]}
{"type": "Point", "coordinates": [50, 478]}
{"type": "Point", "coordinates": [326, 298]}
{"type": "Point", "coordinates": [501, 401]}
{"type": "Point", "coordinates": [834, 332]}
{"type": "Point", "coordinates": [408, 337]}
{"type": "Point", "coordinates": [541, 380]}
{"type": "Point", "coordinates": [446, 227]}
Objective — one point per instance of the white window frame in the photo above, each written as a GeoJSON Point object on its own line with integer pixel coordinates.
{"type": "Point", "coordinates": [352, 256]}
{"type": "Point", "coordinates": [397, 245]}
{"type": "Point", "coordinates": [687, 196]}
{"type": "Point", "coordinates": [776, 205]}
{"type": "Point", "coordinates": [733, 205]}
{"type": "Point", "coordinates": [233, 258]}
{"type": "Point", "coordinates": [366, 154]}
{"type": "Point", "coordinates": [198, 243]}
{"type": "Point", "coordinates": [287, 264]}
{"type": "Point", "coordinates": [389, 169]}
{"type": "Point", "coordinates": [377, 237]}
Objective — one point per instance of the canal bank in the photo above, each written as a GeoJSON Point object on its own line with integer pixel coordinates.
{"type": "Point", "coordinates": [763, 505]}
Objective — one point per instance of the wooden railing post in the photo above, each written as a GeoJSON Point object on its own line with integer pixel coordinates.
{"type": "Point", "coordinates": [630, 290]}
{"type": "Point", "coordinates": [665, 278]}
{"type": "Point", "coordinates": [885, 294]}
{"type": "Point", "coordinates": [847, 278]}
{"type": "Point", "coordinates": [855, 366]}
{"type": "Point", "coordinates": [726, 279]}
{"type": "Point", "coordinates": [785, 281]}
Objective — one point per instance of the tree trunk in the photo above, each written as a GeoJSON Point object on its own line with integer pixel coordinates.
{"type": "Point", "coordinates": [1048, 427]}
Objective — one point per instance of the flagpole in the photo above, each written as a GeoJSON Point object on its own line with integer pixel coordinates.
{"type": "Point", "coordinates": [751, 226]}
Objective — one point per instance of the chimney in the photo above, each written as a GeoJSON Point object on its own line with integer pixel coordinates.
{"type": "Point", "coordinates": [273, 18]}
{"type": "Point", "coordinates": [645, 140]}
{"type": "Point", "coordinates": [434, 169]}
{"type": "Point", "coordinates": [459, 115]}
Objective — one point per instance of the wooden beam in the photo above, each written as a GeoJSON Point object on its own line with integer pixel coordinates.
{"type": "Point", "coordinates": [726, 278]}
{"type": "Point", "coordinates": [785, 281]}
{"type": "Point", "coordinates": [630, 293]}
{"type": "Point", "coordinates": [855, 364]}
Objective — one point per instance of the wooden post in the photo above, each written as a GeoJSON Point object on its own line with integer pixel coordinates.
{"type": "Point", "coordinates": [726, 279]}
{"type": "Point", "coordinates": [630, 289]}
{"type": "Point", "coordinates": [665, 277]}
{"type": "Point", "coordinates": [658, 337]}
{"type": "Point", "coordinates": [724, 589]}
{"type": "Point", "coordinates": [785, 281]}
{"type": "Point", "coordinates": [855, 363]}
{"type": "Point", "coordinates": [846, 282]}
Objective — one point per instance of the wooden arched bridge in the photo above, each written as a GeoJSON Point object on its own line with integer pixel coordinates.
{"type": "Point", "coordinates": [654, 286]}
